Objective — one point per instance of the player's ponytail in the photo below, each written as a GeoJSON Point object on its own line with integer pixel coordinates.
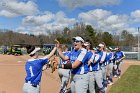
{"type": "Point", "coordinates": [30, 48]}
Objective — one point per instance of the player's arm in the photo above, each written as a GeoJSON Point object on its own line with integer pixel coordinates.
{"type": "Point", "coordinates": [91, 59]}
{"type": "Point", "coordinates": [81, 58]}
{"type": "Point", "coordinates": [123, 56]}
{"type": "Point", "coordinates": [65, 58]}
{"type": "Point", "coordinates": [70, 65]}
{"type": "Point", "coordinates": [103, 57]}
{"type": "Point", "coordinates": [51, 53]}
{"type": "Point", "coordinates": [96, 58]}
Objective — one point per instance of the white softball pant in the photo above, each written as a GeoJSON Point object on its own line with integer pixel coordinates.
{"type": "Point", "coordinates": [95, 76]}
{"type": "Point", "coordinates": [28, 88]}
{"type": "Point", "coordinates": [79, 83]}
{"type": "Point", "coordinates": [64, 75]}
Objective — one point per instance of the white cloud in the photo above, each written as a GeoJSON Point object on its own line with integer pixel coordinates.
{"type": "Point", "coordinates": [48, 21]}
{"type": "Point", "coordinates": [38, 20]}
{"type": "Point", "coordinates": [13, 8]}
{"type": "Point", "coordinates": [7, 13]}
{"type": "Point", "coordinates": [105, 20]}
{"type": "Point", "coordinates": [21, 30]}
{"type": "Point", "coordinates": [132, 30]}
{"type": "Point", "coordinates": [80, 3]}
{"type": "Point", "coordinates": [94, 15]}
{"type": "Point", "coordinates": [61, 18]}
{"type": "Point", "coordinates": [136, 15]}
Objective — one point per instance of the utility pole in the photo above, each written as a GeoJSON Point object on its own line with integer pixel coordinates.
{"type": "Point", "coordinates": [138, 45]}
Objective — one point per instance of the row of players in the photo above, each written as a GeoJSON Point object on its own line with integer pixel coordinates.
{"type": "Point", "coordinates": [103, 63]}
{"type": "Point", "coordinates": [82, 66]}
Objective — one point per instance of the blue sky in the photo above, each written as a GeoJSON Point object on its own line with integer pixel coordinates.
{"type": "Point", "coordinates": [41, 16]}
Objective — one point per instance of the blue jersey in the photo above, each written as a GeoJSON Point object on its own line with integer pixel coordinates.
{"type": "Point", "coordinates": [34, 70]}
{"type": "Point", "coordinates": [118, 55]}
{"type": "Point", "coordinates": [90, 56]}
{"type": "Point", "coordinates": [103, 57]}
{"type": "Point", "coordinates": [65, 54]}
{"type": "Point", "coordinates": [95, 66]}
{"type": "Point", "coordinates": [82, 56]}
{"type": "Point", "coordinates": [110, 57]}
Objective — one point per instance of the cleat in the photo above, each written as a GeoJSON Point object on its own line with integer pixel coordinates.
{"type": "Point", "coordinates": [115, 76]}
{"type": "Point", "coordinates": [110, 84]}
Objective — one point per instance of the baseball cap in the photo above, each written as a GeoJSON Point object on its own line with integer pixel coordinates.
{"type": "Point", "coordinates": [110, 48]}
{"type": "Point", "coordinates": [94, 48]}
{"type": "Point", "coordinates": [101, 45]}
{"type": "Point", "coordinates": [34, 51]}
{"type": "Point", "coordinates": [78, 38]}
{"type": "Point", "coordinates": [116, 48]}
{"type": "Point", "coordinates": [86, 43]}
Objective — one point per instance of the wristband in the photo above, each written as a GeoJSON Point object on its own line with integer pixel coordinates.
{"type": "Point", "coordinates": [68, 66]}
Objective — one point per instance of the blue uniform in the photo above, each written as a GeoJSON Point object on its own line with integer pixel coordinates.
{"type": "Point", "coordinates": [110, 57]}
{"type": "Point", "coordinates": [95, 66]}
{"type": "Point", "coordinates": [118, 55]}
{"type": "Point", "coordinates": [117, 66]}
{"type": "Point", "coordinates": [79, 76]}
{"type": "Point", "coordinates": [103, 58]}
{"type": "Point", "coordinates": [65, 54]}
{"type": "Point", "coordinates": [33, 69]}
{"type": "Point", "coordinates": [95, 74]}
{"type": "Point", "coordinates": [82, 56]}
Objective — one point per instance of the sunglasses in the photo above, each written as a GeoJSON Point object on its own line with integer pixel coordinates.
{"type": "Point", "coordinates": [77, 41]}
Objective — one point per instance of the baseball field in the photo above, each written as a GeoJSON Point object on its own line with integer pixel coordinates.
{"type": "Point", "coordinates": [12, 75]}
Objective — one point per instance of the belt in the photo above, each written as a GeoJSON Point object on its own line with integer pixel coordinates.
{"type": "Point", "coordinates": [29, 82]}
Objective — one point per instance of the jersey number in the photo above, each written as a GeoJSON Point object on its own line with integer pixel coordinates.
{"type": "Point", "coordinates": [31, 70]}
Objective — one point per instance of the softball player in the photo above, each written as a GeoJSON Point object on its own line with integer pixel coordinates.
{"type": "Point", "coordinates": [33, 69]}
{"type": "Point", "coordinates": [103, 62]}
{"type": "Point", "coordinates": [64, 74]}
{"type": "Point", "coordinates": [95, 73]}
{"type": "Point", "coordinates": [110, 56]}
{"type": "Point", "coordinates": [119, 56]}
{"type": "Point", "coordinates": [78, 65]}
{"type": "Point", "coordinates": [91, 56]}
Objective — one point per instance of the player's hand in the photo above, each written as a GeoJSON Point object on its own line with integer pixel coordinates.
{"type": "Point", "coordinates": [57, 43]}
{"type": "Point", "coordinates": [117, 61]}
{"type": "Point", "coordinates": [89, 62]}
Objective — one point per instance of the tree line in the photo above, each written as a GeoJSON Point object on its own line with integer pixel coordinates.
{"type": "Point", "coordinates": [88, 32]}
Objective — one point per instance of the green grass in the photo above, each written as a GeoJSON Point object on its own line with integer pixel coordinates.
{"type": "Point", "coordinates": [129, 82]}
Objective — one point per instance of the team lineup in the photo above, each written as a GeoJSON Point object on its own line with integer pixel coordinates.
{"type": "Point", "coordinates": [88, 69]}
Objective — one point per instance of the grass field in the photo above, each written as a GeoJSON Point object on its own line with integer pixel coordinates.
{"type": "Point", "coordinates": [129, 82]}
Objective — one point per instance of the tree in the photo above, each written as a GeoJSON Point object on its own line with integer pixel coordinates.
{"type": "Point", "coordinates": [107, 38]}
{"type": "Point", "coordinates": [127, 39]}
{"type": "Point", "coordinates": [90, 35]}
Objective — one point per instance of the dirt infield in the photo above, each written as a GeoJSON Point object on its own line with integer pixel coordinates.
{"type": "Point", "coordinates": [12, 75]}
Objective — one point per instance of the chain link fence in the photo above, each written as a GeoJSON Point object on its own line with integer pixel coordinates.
{"type": "Point", "coordinates": [130, 52]}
